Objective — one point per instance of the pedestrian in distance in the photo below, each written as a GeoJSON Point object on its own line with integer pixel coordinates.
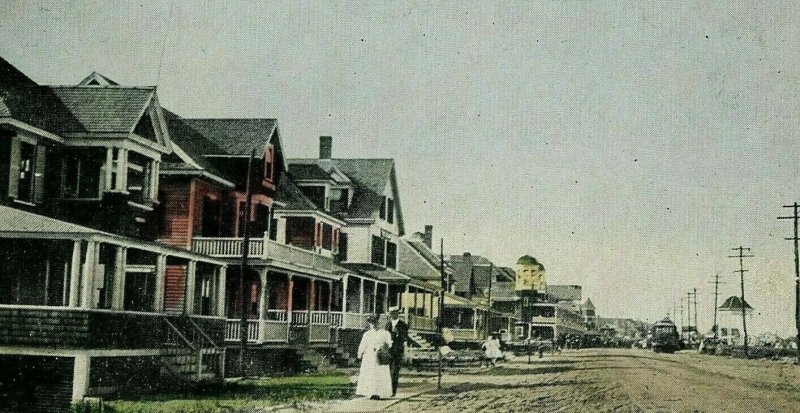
{"type": "Point", "coordinates": [398, 330]}
{"type": "Point", "coordinates": [491, 350]}
{"type": "Point", "coordinates": [374, 377]}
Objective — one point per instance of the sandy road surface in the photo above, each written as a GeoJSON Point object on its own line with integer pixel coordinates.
{"type": "Point", "coordinates": [618, 381]}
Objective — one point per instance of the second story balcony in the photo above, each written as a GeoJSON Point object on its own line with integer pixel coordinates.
{"type": "Point", "coordinates": [265, 249]}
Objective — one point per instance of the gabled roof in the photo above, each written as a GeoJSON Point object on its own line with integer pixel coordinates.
{"type": "Point", "coordinates": [193, 144]}
{"type": "Point", "coordinates": [97, 79]}
{"type": "Point", "coordinates": [98, 109]}
{"type": "Point", "coordinates": [235, 137]}
{"type": "Point", "coordinates": [429, 256]}
{"type": "Point", "coordinates": [369, 178]}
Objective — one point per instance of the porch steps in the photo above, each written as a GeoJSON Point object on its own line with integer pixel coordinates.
{"type": "Point", "coordinates": [419, 341]}
{"type": "Point", "coordinates": [189, 353]}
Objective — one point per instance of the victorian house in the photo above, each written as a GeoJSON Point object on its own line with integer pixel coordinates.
{"type": "Point", "coordinates": [83, 284]}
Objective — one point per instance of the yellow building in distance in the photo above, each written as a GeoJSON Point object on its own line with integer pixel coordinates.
{"type": "Point", "coordinates": [530, 274]}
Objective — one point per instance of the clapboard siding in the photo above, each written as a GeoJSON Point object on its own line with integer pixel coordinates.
{"type": "Point", "coordinates": [174, 288]}
{"type": "Point", "coordinates": [175, 198]}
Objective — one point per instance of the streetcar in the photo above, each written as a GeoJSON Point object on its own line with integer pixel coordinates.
{"type": "Point", "coordinates": [665, 337]}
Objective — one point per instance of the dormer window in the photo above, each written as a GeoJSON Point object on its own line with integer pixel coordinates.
{"type": "Point", "coordinates": [339, 199]}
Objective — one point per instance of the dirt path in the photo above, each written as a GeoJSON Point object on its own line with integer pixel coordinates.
{"type": "Point", "coordinates": [618, 381]}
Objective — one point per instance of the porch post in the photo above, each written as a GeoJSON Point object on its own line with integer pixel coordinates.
{"type": "Point", "coordinates": [75, 274]}
{"type": "Point", "coordinates": [108, 184]}
{"type": "Point", "coordinates": [89, 267]}
{"type": "Point", "coordinates": [361, 296]}
{"type": "Point", "coordinates": [290, 297]}
{"type": "Point", "coordinates": [330, 295]}
{"type": "Point", "coordinates": [120, 262]}
{"type": "Point", "coordinates": [374, 297]}
{"type": "Point", "coordinates": [188, 299]}
{"type": "Point", "coordinates": [424, 307]}
{"type": "Point", "coordinates": [222, 280]}
{"type": "Point", "coordinates": [122, 169]}
{"type": "Point", "coordinates": [80, 377]}
{"type": "Point", "coordinates": [401, 303]}
{"type": "Point", "coordinates": [262, 307]}
{"type": "Point", "coordinates": [475, 323]}
{"type": "Point", "coordinates": [312, 296]}
{"type": "Point", "coordinates": [344, 295]}
{"type": "Point", "coordinates": [161, 268]}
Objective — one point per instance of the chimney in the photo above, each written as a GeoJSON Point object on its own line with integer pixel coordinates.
{"type": "Point", "coordinates": [427, 237]}
{"type": "Point", "coordinates": [325, 147]}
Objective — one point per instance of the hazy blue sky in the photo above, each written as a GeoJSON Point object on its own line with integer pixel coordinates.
{"type": "Point", "coordinates": [627, 146]}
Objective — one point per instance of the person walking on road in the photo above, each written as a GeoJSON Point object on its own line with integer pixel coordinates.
{"type": "Point", "coordinates": [399, 334]}
{"type": "Point", "coordinates": [374, 378]}
{"type": "Point", "coordinates": [491, 350]}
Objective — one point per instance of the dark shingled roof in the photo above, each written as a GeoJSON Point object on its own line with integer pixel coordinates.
{"type": "Point", "coordinates": [112, 109]}
{"type": "Point", "coordinates": [294, 199]}
{"type": "Point", "coordinates": [369, 177]}
{"type": "Point", "coordinates": [192, 142]}
{"type": "Point", "coordinates": [429, 255]}
{"type": "Point", "coordinates": [734, 303]}
{"type": "Point", "coordinates": [24, 100]}
{"type": "Point", "coordinates": [236, 137]}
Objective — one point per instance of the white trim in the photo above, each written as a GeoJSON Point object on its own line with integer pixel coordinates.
{"type": "Point", "coordinates": [32, 129]}
{"type": "Point", "coordinates": [199, 173]}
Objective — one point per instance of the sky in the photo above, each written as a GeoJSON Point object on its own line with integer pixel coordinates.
{"type": "Point", "coordinates": [627, 146]}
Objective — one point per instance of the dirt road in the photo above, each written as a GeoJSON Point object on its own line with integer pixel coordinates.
{"type": "Point", "coordinates": [618, 381]}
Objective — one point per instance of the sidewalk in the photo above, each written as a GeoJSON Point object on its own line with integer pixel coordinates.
{"type": "Point", "coordinates": [362, 404]}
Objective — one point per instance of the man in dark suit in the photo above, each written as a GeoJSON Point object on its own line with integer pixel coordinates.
{"type": "Point", "coordinates": [399, 331]}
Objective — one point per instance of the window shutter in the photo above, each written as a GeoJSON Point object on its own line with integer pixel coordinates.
{"type": "Point", "coordinates": [382, 212]}
{"type": "Point", "coordinates": [13, 176]}
{"type": "Point", "coordinates": [38, 174]}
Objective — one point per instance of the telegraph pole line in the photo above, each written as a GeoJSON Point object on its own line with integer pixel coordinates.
{"type": "Point", "coordinates": [795, 216]}
{"type": "Point", "coordinates": [694, 295]}
{"type": "Point", "coordinates": [682, 327]}
{"type": "Point", "coordinates": [741, 272]}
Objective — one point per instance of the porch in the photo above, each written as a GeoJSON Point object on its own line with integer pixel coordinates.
{"type": "Point", "coordinates": [284, 255]}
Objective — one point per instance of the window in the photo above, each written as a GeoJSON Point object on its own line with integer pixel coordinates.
{"type": "Point", "coordinates": [268, 165]}
{"type": "Point", "coordinates": [316, 194]}
{"type": "Point", "coordinates": [273, 229]}
{"type": "Point", "coordinates": [327, 237]}
{"type": "Point", "coordinates": [342, 254]}
{"type": "Point", "coordinates": [382, 212]}
{"type": "Point", "coordinates": [378, 249]}
{"type": "Point", "coordinates": [210, 224]}
{"type": "Point", "coordinates": [138, 177]}
{"type": "Point", "coordinates": [338, 200]}
{"type": "Point", "coordinates": [391, 254]}
{"type": "Point", "coordinates": [390, 210]}
{"type": "Point", "coordinates": [82, 174]}
{"type": "Point", "coordinates": [27, 162]}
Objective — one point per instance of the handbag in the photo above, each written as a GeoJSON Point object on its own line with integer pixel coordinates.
{"type": "Point", "coordinates": [384, 355]}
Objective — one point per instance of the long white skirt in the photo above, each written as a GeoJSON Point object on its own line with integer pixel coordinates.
{"type": "Point", "coordinates": [373, 378]}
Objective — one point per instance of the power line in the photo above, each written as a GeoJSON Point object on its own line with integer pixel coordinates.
{"type": "Point", "coordinates": [164, 42]}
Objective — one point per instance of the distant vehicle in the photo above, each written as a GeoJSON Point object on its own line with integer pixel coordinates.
{"type": "Point", "coordinates": [665, 337]}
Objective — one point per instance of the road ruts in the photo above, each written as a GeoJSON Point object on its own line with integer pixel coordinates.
{"type": "Point", "coordinates": [619, 381]}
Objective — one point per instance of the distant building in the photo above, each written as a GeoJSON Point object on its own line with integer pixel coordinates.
{"type": "Point", "coordinates": [730, 319]}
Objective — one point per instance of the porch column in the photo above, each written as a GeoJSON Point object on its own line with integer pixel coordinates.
{"type": "Point", "coordinates": [403, 304]}
{"type": "Point", "coordinates": [122, 169]}
{"type": "Point", "coordinates": [75, 274]}
{"type": "Point", "coordinates": [344, 295]}
{"type": "Point", "coordinates": [80, 377]}
{"type": "Point", "coordinates": [108, 182]}
{"type": "Point", "coordinates": [262, 307]}
{"type": "Point", "coordinates": [361, 296]}
{"type": "Point", "coordinates": [161, 267]}
{"type": "Point", "coordinates": [424, 307]}
{"type": "Point", "coordinates": [475, 323]}
{"type": "Point", "coordinates": [415, 302]}
{"type": "Point", "coordinates": [374, 297]}
{"type": "Point", "coordinates": [118, 294]}
{"type": "Point", "coordinates": [188, 299]}
{"type": "Point", "coordinates": [312, 296]}
{"type": "Point", "coordinates": [330, 295]}
{"type": "Point", "coordinates": [221, 284]}
{"type": "Point", "coordinates": [89, 268]}
{"type": "Point", "coordinates": [289, 298]}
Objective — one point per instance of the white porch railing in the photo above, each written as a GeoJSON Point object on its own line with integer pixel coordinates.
{"type": "Point", "coordinates": [276, 315]}
{"type": "Point", "coordinates": [264, 248]}
{"type": "Point", "coordinates": [321, 318]}
{"type": "Point", "coordinates": [299, 317]}
{"type": "Point", "coordinates": [233, 330]}
{"type": "Point", "coordinates": [354, 320]}
{"type": "Point", "coordinates": [464, 333]}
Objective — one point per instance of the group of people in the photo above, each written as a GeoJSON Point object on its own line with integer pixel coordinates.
{"type": "Point", "coordinates": [381, 352]}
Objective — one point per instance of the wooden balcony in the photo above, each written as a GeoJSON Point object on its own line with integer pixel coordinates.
{"type": "Point", "coordinates": [265, 249]}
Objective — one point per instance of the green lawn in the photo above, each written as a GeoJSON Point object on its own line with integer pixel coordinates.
{"type": "Point", "coordinates": [235, 395]}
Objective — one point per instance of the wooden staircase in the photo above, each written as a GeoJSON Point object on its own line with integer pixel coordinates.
{"type": "Point", "coordinates": [190, 355]}
{"type": "Point", "coordinates": [419, 341]}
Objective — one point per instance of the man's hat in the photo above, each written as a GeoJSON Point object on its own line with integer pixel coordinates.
{"type": "Point", "coordinates": [394, 309]}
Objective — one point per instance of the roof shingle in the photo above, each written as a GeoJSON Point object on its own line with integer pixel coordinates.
{"type": "Point", "coordinates": [235, 137]}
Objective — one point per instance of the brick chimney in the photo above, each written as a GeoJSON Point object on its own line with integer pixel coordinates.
{"type": "Point", "coordinates": [325, 147]}
{"type": "Point", "coordinates": [427, 237]}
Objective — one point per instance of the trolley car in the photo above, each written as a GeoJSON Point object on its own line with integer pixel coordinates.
{"type": "Point", "coordinates": [665, 337]}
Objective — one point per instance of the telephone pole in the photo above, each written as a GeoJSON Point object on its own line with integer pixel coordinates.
{"type": "Point", "coordinates": [694, 295]}
{"type": "Point", "coordinates": [716, 297]}
{"type": "Point", "coordinates": [741, 272]}
{"type": "Point", "coordinates": [243, 306]}
{"type": "Point", "coordinates": [795, 217]}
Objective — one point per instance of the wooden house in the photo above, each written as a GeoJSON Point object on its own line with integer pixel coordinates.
{"type": "Point", "coordinates": [83, 308]}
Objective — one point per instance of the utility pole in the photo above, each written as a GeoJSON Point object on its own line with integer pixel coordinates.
{"type": "Point", "coordinates": [795, 217]}
{"type": "Point", "coordinates": [489, 298]}
{"type": "Point", "coordinates": [689, 314]}
{"type": "Point", "coordinates": [694, 294]}
{"type": "Point", "coordinates": [716, 297]}
{"type": "Point", "coordinates": [440, 324]}
{"type": "Point", "coordinates": [682, 326]}
{"type": "Point", "coordinates": [741, 272]}
{"type": "Point", "coordinates": [243, 333]}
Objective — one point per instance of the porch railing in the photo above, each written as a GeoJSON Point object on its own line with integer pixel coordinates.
{"type": "Point", "coordinates": [233, 330]}
{"type": "Point", "coordinates": [258, 331]}
{"type": "Point", "coordinates": [421, 323]}
{"type": "Point", "coordinates": [354, 320]}
{"type": "Point", "coordinates": [464, 333]}
{"type": "Point", "coordinates": [276, 315]}
{"type": "Point", "coordinates": [299, 317]}
{"type": "Point", "coordinates": [321, 318]}
{"type": "Point", "coordinates": [265, 248]}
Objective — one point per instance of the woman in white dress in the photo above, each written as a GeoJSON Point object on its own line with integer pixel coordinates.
{"type": "Point", "coordinates": [374, 380]}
